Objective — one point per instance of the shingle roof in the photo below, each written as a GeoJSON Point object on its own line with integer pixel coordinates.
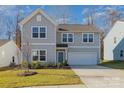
{"type": "Point", "coordinates": [77, 28]}
{"type": "Point", "coordinates": [3, 41]}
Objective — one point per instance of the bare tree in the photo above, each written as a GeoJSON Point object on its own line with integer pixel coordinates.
{"type": "Point", "coordinates": [60, 13]}
{"type": "Point", "coordinates": [89, 15]}
{"type": "Point", "coordinates": [113, 16]}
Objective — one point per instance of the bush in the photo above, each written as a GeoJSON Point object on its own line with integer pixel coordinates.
{"type": "Point", "coordinates": [49, 64]}
{"type": "Point", "coordinates": [12, 64]}
{"type": "Point", "coordinates": [65, 63]}
{"type": "Point", "coordinates": [25, 64]}
{"type": "Point", "coordinates": [60, 64]}
{"type": "Point", "coordinates": [35, 65]}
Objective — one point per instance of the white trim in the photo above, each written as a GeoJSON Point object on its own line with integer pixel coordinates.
{"type": "Point", "coordinates": [39, 54]}
{"type": "Point", "coordinates": [83, 47]}
{"type": "Point", "coordinates": [66, 54]}
{"type": "Point", "coordinates": [61, 48]}
{"type": "Point", "coordinates": [67, 37]}
{"type": "Point", "coordinates": [100, 48]}
{"type": "Point", "coordinates": [57, 55]}
{"type": "Point", "coordinates": [87, 38]}
{"type": "Point", "coordinates": [39, 32]}
{"type": "Point", "coordinates": [41, 43]}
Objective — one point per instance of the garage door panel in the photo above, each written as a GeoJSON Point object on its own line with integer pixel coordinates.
{"type": "Point", "coordinates": [82, 58]}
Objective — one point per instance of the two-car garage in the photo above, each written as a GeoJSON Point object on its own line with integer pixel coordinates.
{"type": "Point", "coordinates": [82, 58]}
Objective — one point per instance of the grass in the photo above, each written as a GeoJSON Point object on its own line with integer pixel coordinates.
{"type": "Point", "coordinates": [9, 78]}
{"type": "Point", "coordinates": [113, 64]}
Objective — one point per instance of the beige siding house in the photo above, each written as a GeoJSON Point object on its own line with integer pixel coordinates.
{"type": "Point", "coordinates": [42, 39]}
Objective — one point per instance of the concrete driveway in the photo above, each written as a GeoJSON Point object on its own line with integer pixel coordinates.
{"type": "Point", "coordinates": [100, 77]}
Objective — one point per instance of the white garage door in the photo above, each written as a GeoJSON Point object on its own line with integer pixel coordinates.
{"type": "Point", "coordinates": [82, 58]}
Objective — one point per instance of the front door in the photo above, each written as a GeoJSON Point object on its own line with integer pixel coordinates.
{"type": "Point", "coordinates": [60, 56]}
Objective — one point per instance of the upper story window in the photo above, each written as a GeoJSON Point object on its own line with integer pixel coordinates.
{"type": "Point", "coordinates": [35, 32]}
{"type": "Point", "coordinates": [38, 18]}
{"type": "Point", "coordinates": [121, 53]}
{"type": "Point", "coordinates": [88, 37]}
{"type": "Point", "coordinates": [115, 40]}
{"type": "Point", "coordinates": [42, 32]}
{"type": "Point", "coordinates": [39, 32]}
{"type": "Point", "coordinates": [67, 37]}
{"type": "Point", "coordinates": [85, 37]}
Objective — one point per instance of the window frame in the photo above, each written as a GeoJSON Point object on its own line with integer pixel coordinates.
{"type": "Point", "coordinates": [33, 32]}
{"type": "Point", "coordinates": [67, 37]}
{"type": "Point", "coordinates": [33, 55]}
{"type": "Point", "coordinates": [39, 32]}
{"type": "Point", "coordinates": [39, 54]}
{"type": "Point", "coordinates": [121, 53]}
{"type": "Point", "coordinates": [88, 34]}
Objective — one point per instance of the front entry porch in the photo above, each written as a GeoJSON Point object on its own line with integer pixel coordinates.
{"type": "Point", "coordinates": [61, 53]}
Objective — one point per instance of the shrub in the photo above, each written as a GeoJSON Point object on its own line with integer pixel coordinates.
{"type": "Point", "coordinates": [49, 64]}
{"type": "Point", "coordinates": [35, 65]}
{"type": "Point", "coordinates": [25, 64]}
{"type": "Point", "coordinates": [60, 64]}
{"type": "Point", "coordinates": [12, 64]}
{"type": "Point", "coordinates": [65, 63]}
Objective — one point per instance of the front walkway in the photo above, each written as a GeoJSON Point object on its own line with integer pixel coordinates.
{"type": "Point", "coordinates": [100, 77]}
{"type": "Point", "coordinates": [61, 86]}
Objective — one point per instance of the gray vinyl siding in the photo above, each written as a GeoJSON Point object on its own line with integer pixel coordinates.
{"type": "Point", "coordinates": [78, 42]}
{"type": "Point", "coordinates": [78, 39]}
{"type": "Point", "coordinates": [51, 38]}
{"type": "Point", "coordinates": [51, 31]}
{"type": "Point", "coordinates": [51, 52]}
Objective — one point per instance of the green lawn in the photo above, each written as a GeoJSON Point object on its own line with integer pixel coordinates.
{"type": "Point", "coordinates": [9, 78]}
{"type": "Point", "coordinates": [113, 64]}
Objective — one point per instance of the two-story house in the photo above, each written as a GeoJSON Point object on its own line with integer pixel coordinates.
{"type": "Point", "coordinates": [114, 42]}
{"type": "Point", "coordinates": [42, 39]}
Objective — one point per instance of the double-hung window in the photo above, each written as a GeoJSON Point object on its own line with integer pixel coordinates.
{"type": "Point", "coordinates": [121, 53]}
{"type": "Point", "coordinates": [39, 55]}
{"type": "Point", "coordinates": [39, 32]}
{"type": "Point", "coordinates": [70, 37]}
{"type": "Point", "coordinates": [42, 55]}
{"type": "Point", "coordinates": [35, 32]}
{"type": "Point", "coordinates": [42, 32]}
{"type": "Point", "coordinates": [35, 55]}
{"type": "Point", "coordinates": [90, 37]}
{"type": "Point", "coordinates": [67, 37]}
{"type": "Point", "coordinates": [87, 37]}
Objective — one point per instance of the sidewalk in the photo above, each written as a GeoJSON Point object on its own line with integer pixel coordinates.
{"type": "Point", "coordinates": [61, 86]}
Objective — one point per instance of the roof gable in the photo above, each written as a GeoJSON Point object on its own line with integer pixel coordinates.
{"type": "Point", "coordinates": [116, 29]}
{"type": "Point", "coordinates": [3, 41]}
{"type": "Point", "coordinates": [26, 19]}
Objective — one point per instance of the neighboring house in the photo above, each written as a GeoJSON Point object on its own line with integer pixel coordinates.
{"type": "Point", "coordinates": [45, 41]}
{"type": "Point", "coordinates": [9, 53]}
{"type": "Point", "coordinates": [114, 42]}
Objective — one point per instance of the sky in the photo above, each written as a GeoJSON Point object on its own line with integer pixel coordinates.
{"type": "Point", "coordinates": [75, 14]}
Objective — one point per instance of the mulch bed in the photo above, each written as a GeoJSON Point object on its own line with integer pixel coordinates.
{"type": "Point", "coordinates": [30, 73]}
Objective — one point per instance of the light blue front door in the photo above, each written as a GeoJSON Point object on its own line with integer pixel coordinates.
{"type": "Point", "coordinates": [60, 56]}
